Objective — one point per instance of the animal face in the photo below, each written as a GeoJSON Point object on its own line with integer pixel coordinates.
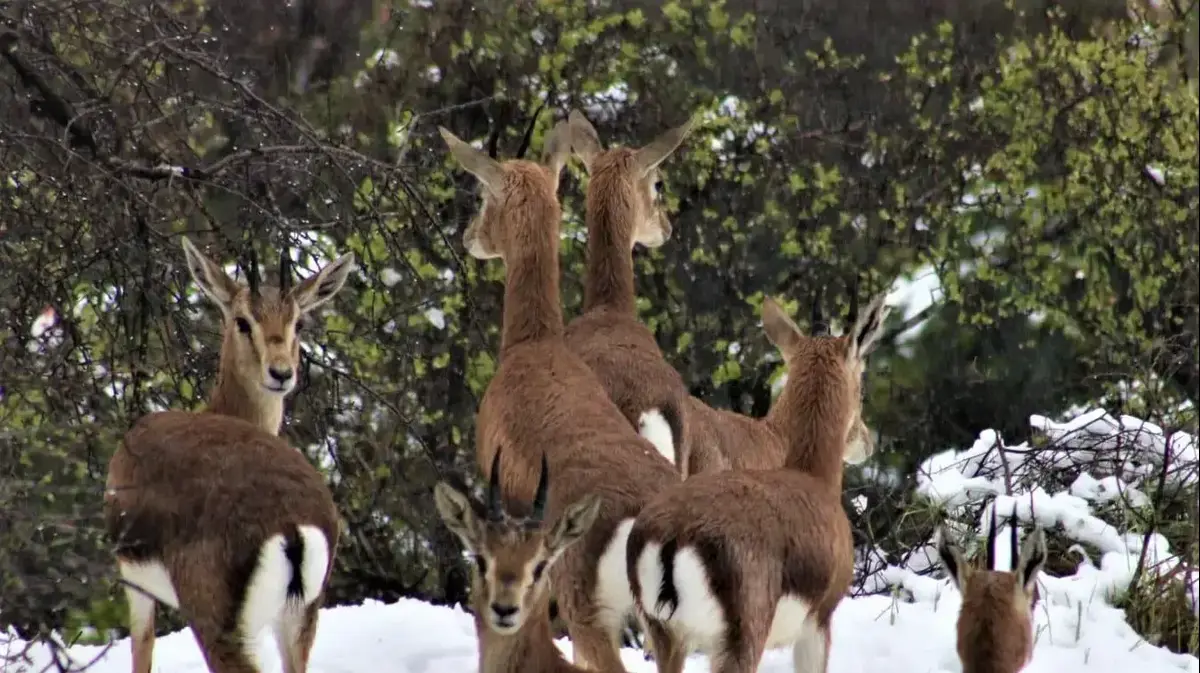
{"type": "Point", "coordinates": [628, 178]}
{"type": "Point", "coordinates": [261, 328]}
{"type": "Point", "coordinates": [839, 361]}
{"type": "Point", "coordinates": [512, 554]}
{"type": "Point", "coordinates": [508, 186]}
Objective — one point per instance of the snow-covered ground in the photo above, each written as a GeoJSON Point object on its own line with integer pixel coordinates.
{"type": "Point", "coordinates": [1077, 628]}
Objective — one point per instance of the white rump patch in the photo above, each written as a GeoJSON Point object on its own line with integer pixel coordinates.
{"type": "Point", "coordinates": [315, 563]}
{"type": "Point", "coordinates": [808, 654]}
{"type": "Point", "coordinates": [149, 578]}
{"type": "Point", "coordinates": [614, 597]}
{"type": "Point", "coordinates": [699, 619]}
{"type": "Point", "coordinates": [657, 431]}
{"type": "Point", "coordinates": [266, 592]}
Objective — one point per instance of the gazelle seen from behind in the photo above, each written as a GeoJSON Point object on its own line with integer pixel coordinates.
{"type": "Point", "coordinates": [995, 623]}
{"type": "Point", "coordinates": [719, 439]}
{"type": "Point", "coordinates": [544, 400]}
{"type": "Point", "coordinates": [512, 552]}
{"type": "Point", "coordinates": [623, 209]}
{"type": "Point", "coordinates": [734, 562]}
{"type": "Point", "coordinates": [211, 512]}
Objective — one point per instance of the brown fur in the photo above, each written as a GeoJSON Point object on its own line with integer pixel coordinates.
{"type": "Point", "coordinates": [623, 210]}
{"type": "Point", "coordinates": [200, 493]}
{"type": "Point", "coordinates": [544, 398]}
{"type": "Point", "coordinates": [512, 555]}
{"type": "Point", "coordinates": [763, 535]}
{"type": "Point", "coordinates": [724, 440]}
{"type": "Point", "coordinates": [995, 623]}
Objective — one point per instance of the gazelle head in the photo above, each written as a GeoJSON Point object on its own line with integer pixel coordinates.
{"type": "Point", "coordinates": [628, 173]}
{"type": "Point", "coordinates": [512, 554]}
{"type": "Point", "coordinates": [261, 347]}
{"type": "Point", "coordinates": [507, 187]}
{"type": "Point", "coordinates": [995, 624]}
{"type": "Point", "coordinates": [843, 357]}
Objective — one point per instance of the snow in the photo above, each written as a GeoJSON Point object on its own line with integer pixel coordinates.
{"type": "Point", "coordinates": [907, 626]}
{"type": "Point", "coordinates": [869, 633]}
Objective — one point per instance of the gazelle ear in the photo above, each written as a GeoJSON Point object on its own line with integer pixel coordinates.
{"type": "Point", "coordinates": [556, 149]}
{"type": "Point", "coordinates": [486, 169]}
{"type": "Point", "coordinates": [574, 523]}
{"type": "Point", "coordinates": [781, 330]}
{"type": "Point", "coordinates": [458, 515]}
{"type": "Point", "coordinates": [653, 154]}
{"type": "Point", "coordinates": [1033, 557]}
{"type": "Point", "coordinates": [210, 277]}
{"type": "Point", "coordinates": [324, 284]}
{"type": "Point", "coordinates": [585, 141]}
{"type": "Point", "coordinates": [951, 557]}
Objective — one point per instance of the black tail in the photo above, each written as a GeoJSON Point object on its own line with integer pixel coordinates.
{"type": "Point", "coordinates": [672, 413]}
{"type": "Point", "coordinates": [293, 549]}
{"type": "Point", "coordinates": [668, 595]}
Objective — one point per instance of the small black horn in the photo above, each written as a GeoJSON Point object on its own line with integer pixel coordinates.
{"type": "Point", "coordinates": [817, 320]}
{"type": "Point", "coordinates": [495, 510]}
{"type": "Point", "coordinates": [539, 500]}
{"type": "Point", "coordinates": [1012, 554]}
{"type": "Point", "coordinates": [285, 271]}
{"type": "Point", "coordinates": [991, 540]}
{"type": "Point", "coordinates": [252, 277]}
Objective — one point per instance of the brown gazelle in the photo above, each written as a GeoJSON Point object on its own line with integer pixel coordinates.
{"type": "Point", "coordinates": [995, 623]}
{"type": "Point", "coordinates": [512, 553]}
{"type": "Point", "coordinates": [623, 210]}
{"type": "Point", "coordinates": [734, 562]}
{"type": "Point", "coordinates": [211, 512]}
{"type": "Point", "coordinates": [544, 398]}
{"type": "Point", "coordinates": [719, 439]}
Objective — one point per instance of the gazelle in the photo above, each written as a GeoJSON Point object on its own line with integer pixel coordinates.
{"type": "Point", "coordinates": [995, 623]}
{"type": "Point", "coordinates": [512, 553]}
{"type": "Point", "coordinates": [544, 398]}
{"type": "Point", "coordinates": [623, 210]}
{"type": "Point", "coordinates": [734, 562]}
{"type": "Point", "coordinates": [211, 512]}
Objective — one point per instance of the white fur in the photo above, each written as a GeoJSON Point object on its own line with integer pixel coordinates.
{"type": "Point", "coordinates": [657, 431]}
{"type": "Point", "coordinates": [614, 597]}
{"type": "Point", "coordinates": [315, 564]}
{"type": "Point", "coordinates": [266, 592]}
{"type": "Point", "coordinates": [150, 578]}
{"type": "Point", "coordinates": [699, 620]}
{"type": "Point", "coordinates": [808, 654]}
{"type": "Point", "coordinates": [287, 630]}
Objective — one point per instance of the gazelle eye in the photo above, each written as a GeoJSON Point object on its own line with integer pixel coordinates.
{"type": "Point", "coordinates": [243, 325]}
{"type": "Point", "coordinates": [301, 323]}
{"type": "Point", "coordinates": [481, 563]}
{"type": "Point", "coordinates": [538, 570]}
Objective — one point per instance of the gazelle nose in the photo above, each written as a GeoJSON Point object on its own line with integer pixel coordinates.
{"type": "Point", "coordinates": [280, 375]}
{"type": "Point", "coordinates": [504, 611]}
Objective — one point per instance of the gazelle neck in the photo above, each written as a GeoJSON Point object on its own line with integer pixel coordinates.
{"type": "Point", "coordinates": [532, 307]}
{"type": "Point", "coordinates": [609, 276]}
{"type": "Point", "coordinates": [231, 397]}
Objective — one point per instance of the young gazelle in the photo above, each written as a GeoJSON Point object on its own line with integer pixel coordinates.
{"type": "Point", "coordinates": [544, 398]}
{"type": "Point", "coordinates": [623, 210]}
{"type": "Point", "coordinates": [734, 562]}
{"type": "Point", "coordinates": [512, 553]}
{"type": "Point", "coordinates": [995, 623]}
{"type": "Point", "coordinates": [211, 512]}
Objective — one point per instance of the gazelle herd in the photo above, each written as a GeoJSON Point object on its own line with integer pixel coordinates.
{"type": "Point", "coordinates": [611, 490]}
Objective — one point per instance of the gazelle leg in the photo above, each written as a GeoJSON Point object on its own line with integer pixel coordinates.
{"type": "Point", "coordinates": [295, 632]}
{"type": "Point", "coordinates": [594, 647]}
{"type": "Point", "coordinates": [669, 654]}
{"type": "Point", "coordinates": [141, 628]}
{"type": "Point", "coordinates": [810, 654]}
{"type": "Point", "coordinates": [226, 651]}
